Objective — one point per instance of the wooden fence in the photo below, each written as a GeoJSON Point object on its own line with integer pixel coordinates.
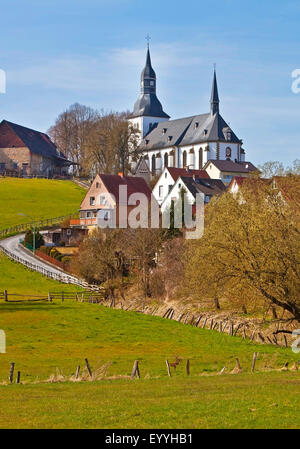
{"type": "Point", "coordinates": [85, 296]}
{"type": "Point", "coordinates": [47, 222]}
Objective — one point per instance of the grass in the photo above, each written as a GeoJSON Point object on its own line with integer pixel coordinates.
{"type": "Point", "coordinates": [37, 199]}
{"type": "Point", "coordinates": [43, 337]}
{"type": "Point", "coordinates": [243, 401]}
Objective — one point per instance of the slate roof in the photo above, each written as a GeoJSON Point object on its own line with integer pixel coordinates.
{"type": "Point", "coordinates": [176, 172]}
{"type": "Point", "coordinates": [207, 186]}
{"type": "Point", "coordinates": [230, 166]}
{"type": "Point", "coordinates": [37, 142]}
{"type": "Point", "coordinates": [148, 105]}
{"type": "Point", "coordinates": [188, 131]}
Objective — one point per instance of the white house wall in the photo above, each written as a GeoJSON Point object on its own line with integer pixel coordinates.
{"type": "Point", "coordinates": [175, 195]}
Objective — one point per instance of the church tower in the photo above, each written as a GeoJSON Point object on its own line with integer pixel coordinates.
{"type": "Point", "coordinates": [147, 110]}
{"type": "Point", "coordinates": [214, 99]}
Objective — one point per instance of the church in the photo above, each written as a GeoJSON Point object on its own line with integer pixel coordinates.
{"type": "Point", "coordinates": [189, 142]}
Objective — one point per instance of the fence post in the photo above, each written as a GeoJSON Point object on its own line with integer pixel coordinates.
{"type": "Point", "coordinates": [18, 377]}
{"type": "Point", "coordinates": [253, 362]}
{"type": "Point", "coordinates": [11, 372]}
{"type": "Point", "coordinates": [5, 295]}
{"type": "Point", "coordinates": [77, 372]}
{"type": "Point", "coordinates": [188, 367]}
{"type": "Point", "coordinates": [88, 367]}
{"type": "Point", "coordinates": [168, 368]}
{"type": "Point", "coordinates": [135, 370]}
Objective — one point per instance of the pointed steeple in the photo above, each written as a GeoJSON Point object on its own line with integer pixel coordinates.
{"type": "Point", "coordinates": [214, 99]}
{"type": "Point", "coordinates": [148, 104]}
{"type": "Point", "coordinates": [148, 76]}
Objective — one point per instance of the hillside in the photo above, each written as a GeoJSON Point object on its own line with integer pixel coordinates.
{"type": "Point", "coordinates": [37, 199]}
{"type": "Point", "coordinates": [46, 339]}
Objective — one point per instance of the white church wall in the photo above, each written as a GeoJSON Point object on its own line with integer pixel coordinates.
{"type": "Point", "coordinates": [234, 151]}
{"type": "Point", "coordinates": [144, 123]}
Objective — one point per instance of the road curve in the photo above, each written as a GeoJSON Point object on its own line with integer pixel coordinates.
{"type": "Point", "coordinates": [11, 244]}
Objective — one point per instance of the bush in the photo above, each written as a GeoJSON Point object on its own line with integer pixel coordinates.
{"type": "Point", "coordinates": [28, 239]}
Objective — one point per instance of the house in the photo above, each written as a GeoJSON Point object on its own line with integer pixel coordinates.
{"type": "Point", "coordinates": [226, 170]}
{"type": "Point", "coordinates": [168, 178]}
{"type": "Point", "coordinates": [187, 141]}
{"type": "Point", "coordinates": [26, 152]}
{"type": "Point", "coordinates": [106, 196]}
{"type": "Point", "coordinates": [192, 185]}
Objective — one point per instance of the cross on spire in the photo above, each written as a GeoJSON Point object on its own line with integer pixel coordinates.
{"type": "Point", "coordinates": [148, 39]}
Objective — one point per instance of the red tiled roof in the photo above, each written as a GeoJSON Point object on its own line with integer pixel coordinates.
{"type": "Point", "coordinates": [134, 185]}
{"type": "Point", "coordinates": [176, 172]}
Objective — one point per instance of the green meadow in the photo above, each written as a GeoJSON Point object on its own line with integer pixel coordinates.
{"type": "Point", "coordinates": [36, 199]}
{"type": "Point", "coordinates": [47, 341]}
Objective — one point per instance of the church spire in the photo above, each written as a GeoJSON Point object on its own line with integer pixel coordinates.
{"type": "Point", "coordinates": [148, 76]}
{"type": "Point", "coordinates": [148, 104]}
{"type": "Point", "coordinates": [214, 99]}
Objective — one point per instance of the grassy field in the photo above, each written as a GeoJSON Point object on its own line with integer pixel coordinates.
{"type": "Point", "coordinates": [44, 337]}
{"type": "Point", "coordinates": [37, 198]}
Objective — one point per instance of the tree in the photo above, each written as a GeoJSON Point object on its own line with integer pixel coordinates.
{"type": "Point", "coordinates": [272, 168]}
{"type": "Point", "coordinates": [251, 247]}
{"type": "Point", "coordinates": [71, 133]}
{"type": "Point", "coordinates": [97, 142]}
{"type": "Point", "coordinates": [28, 239]}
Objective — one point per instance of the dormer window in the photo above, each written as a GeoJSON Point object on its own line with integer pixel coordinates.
{"type": "Point", "coordinates": [228, 135]}
{"type": "Point", "coordinates": [196, 124]}
{"type": "Point", "coordinates": [164, 130]}
{"type": "Point", "coordinates": [146, 141]}
{"type": "Point", "coordinates": [169, 138]}
{"type": "Point", "coordinates": [205, 132]}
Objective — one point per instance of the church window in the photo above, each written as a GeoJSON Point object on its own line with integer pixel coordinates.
{"type": "Point", "coordinates": [160, 191]}
{"type": "Point", "coordinates": [166, 160]}
{"type": "Point", "coordinates": [184, 159]}
{"type": "Point", "coordinates": [200, 158]}
{"type": "Point", "coordinates": [228, 152]}
{"type": "Point", "coordinates": [153, 163]}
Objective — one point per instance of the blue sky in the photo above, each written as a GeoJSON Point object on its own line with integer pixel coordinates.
{"type": "Point", "coordinates": [58, 52]}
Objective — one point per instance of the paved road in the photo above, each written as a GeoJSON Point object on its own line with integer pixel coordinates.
{"type": "Point", "coordinates": [12, 245]}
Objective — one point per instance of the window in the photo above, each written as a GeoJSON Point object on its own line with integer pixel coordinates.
{"type": "Point", "coordinates": [169, 188]}
{"type": "Point", "coordinates": [153, 163]}
{"type": "Point", "coordinates": [169, 138]}
{"type": "Point", "coordinates": [228, 135]}
{"type": "Point", "coordinates": [2, 166]}
{"type": "Point", "coordinates": [207, 198]}
{"type": "Point", "coordinates": [102, 200]}
{"type": "Point", "coordinates": [196, 124]}
{"type": "Point", "coordinates": [151, 83]}
{"type": "Point", "coordinates": [15, 165]}
{"type": "Point", "coordinates": [164, 130]}
{"type": "Point", "coordinates": [166, 174]}
{"type": "Point", "coordinates": [200, 158]}
{"type": "Point", "coordinates": [98, 185]}
{"type": "Point", "coordinates": [160, 191]}
{"type": "Point", "coordinates": [92, 201]}
{"type": "Point", "coordinates": [166, 160]}
{"type": "Point", "coordinates": [89, 214]}
{"type": "Point", "coordinates": [184, 159]}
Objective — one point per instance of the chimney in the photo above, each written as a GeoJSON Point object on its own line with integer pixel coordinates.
{"type": "Point", "coordinates": [121, 174]}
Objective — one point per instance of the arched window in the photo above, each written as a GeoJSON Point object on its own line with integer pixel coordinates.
{"type": "Point", "coordinates": [184, 159]}
{"type": "Point", "coordinates": [166, 160]}
{"type": "Point", "coordinates": [153, 165]}
{"type": "Point", "coordinates": [200, 158]}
